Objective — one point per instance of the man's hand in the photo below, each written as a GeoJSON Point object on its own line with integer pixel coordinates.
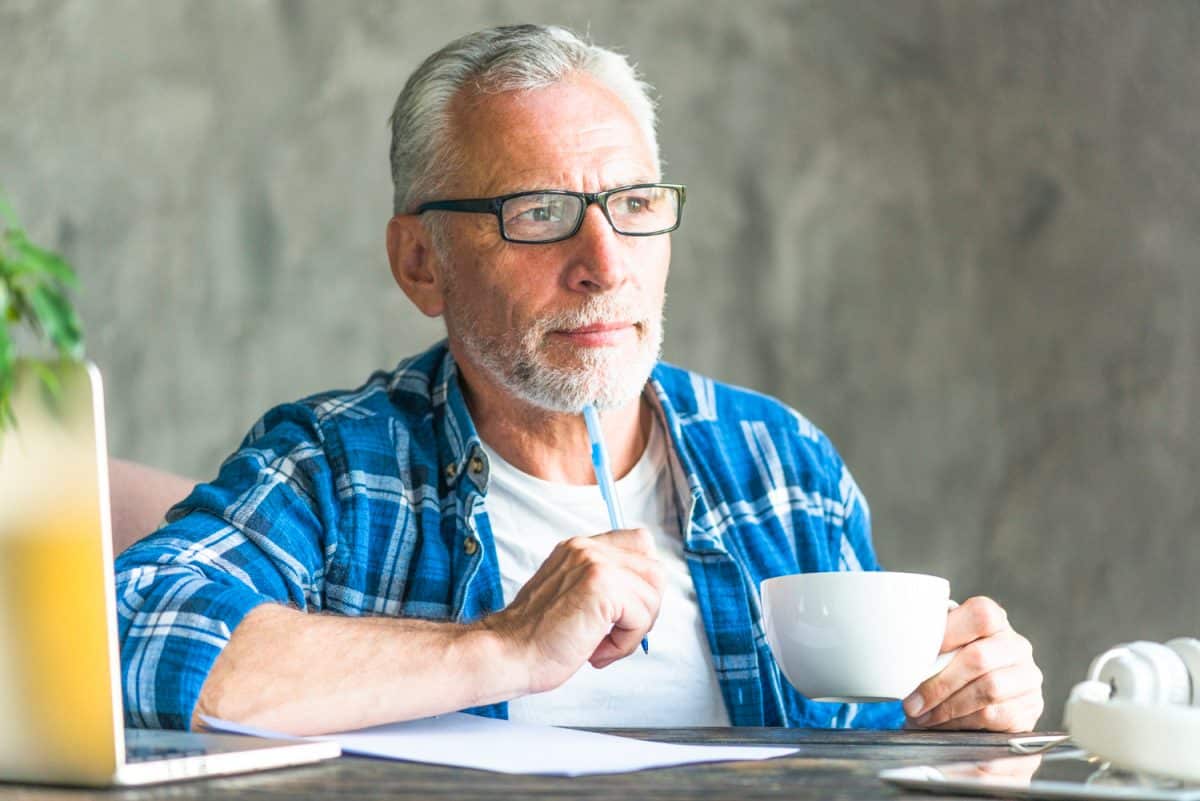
{"type": "Point", "coordinates": [592, 600]}
{"type": "Point", "coordinates": [992, 683]}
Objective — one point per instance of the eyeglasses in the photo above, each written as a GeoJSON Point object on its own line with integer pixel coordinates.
{"type": "Point", "coordinates": [552, 215]}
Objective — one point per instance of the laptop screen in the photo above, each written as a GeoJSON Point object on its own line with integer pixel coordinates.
{"type": "Point", "coordinates": [57, 614]}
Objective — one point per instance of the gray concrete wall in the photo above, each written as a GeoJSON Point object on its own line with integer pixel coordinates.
{"type": "Point", "coordinates": [962, 237]}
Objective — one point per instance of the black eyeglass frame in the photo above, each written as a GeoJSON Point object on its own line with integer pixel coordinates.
{"type": "Point", "coordinates": [493, 205]}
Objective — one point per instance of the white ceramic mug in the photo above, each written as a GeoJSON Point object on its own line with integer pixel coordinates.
{"type": "Point", "coordinates": [857, 636]}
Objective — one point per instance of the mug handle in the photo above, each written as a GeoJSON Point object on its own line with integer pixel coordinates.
{"type": "Point", "coordinates": [940, 663]}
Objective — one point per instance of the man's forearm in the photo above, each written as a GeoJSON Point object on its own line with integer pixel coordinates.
{"type": "Point", "coordinates": [305, 674]}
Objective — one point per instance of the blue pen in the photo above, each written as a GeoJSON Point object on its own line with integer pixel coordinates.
{"type": "Point", "coordinates": [604, 478]}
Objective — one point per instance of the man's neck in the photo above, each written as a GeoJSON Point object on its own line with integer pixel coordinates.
{"type": "Point", "coordinates": [552, 446]}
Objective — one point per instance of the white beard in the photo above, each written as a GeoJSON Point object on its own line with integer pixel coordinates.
{"type": "Point", "coordinates": [606, 376]}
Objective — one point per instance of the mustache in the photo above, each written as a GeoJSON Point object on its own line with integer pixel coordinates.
{"type": "Point", "coordinates": [596, 311]}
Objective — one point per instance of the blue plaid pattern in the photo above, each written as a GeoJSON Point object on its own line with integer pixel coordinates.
{"type": "Point", "coordinates": [361, 503]}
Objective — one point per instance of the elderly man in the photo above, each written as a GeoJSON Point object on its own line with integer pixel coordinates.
{"type": "Point", "coordinates": [435, 541]}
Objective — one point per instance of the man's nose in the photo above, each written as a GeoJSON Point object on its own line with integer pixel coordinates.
{"type": "Point", "coordinates": [599, 259]}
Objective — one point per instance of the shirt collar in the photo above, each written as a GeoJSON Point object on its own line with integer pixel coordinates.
{"type": "Point", "coordinates": [460, 448]}
{"type": "Point", "coordinates": [698, 532]}
{"type": "Point", "coordinates": [460, 452]}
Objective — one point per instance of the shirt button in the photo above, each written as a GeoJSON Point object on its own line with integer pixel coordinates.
{"type": "Point", "coordinates": [471, 545]}
{"type": "Point", "coordinates": [451, 470]}
{"type": "Point", "coordinates": [476, 466]}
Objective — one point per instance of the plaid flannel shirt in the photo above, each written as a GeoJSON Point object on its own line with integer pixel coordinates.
{"type": "Point", "coordinates": [372, 502]}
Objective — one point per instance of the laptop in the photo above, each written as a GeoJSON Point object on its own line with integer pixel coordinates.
{"type": "Point", "coordinates": [61, 719]}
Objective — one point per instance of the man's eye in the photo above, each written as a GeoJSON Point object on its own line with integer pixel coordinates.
{"type": "Point", "coordinates": [634, 205]}
{"type": "Point", "coordinates": [538, 212]}
{"type": "Point", "coordinates": [543, 214]}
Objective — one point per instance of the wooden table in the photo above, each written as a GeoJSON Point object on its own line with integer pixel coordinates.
{"type": "Point", "coordinates": [829, 765]}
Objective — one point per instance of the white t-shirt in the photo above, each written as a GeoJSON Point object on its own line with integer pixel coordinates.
{"type": "Point", "coordinates": [674, 684]}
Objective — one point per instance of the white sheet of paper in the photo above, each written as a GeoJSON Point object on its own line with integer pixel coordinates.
{"type": "Point", "coordinates": [470, 741]}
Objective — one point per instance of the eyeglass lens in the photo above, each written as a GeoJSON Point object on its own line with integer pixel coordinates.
{"type": "Point", "coordinates": [544, 216]}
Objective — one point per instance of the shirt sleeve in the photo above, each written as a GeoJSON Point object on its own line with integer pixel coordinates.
{"type": "Point", "coordinates": [254, 535]}
{"type": "Point", "coordinates": [849, 521]}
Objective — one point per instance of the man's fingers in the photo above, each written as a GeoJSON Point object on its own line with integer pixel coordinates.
{"type": "Point", "coordinates": [976, 618]}
{"type": "Point", "coordinates": [992, 682]}
{"type": "Point", "coordinates": [1016, 715]}
{"type": "Point", "coordinates": [600, 550]}
{"type": "Point", "coordinates": [609, 651]}
{"type": "Point", "coordinates": [639, 607]}
{"type": "Point", "coordinates": [635, 540]}
{"type": "Point", "coordinates": [994, 689]}
{"type": "Point", "coordinates": [593, 599]}
{"type": "Point", "coordinates": [618, 644]}
{"type": "Point", "coordinates": [605, 654]}
{"type": "Point", "coordinates": [973, 660]}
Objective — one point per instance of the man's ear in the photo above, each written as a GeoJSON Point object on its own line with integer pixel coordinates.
{"type": "Point", "coordinates": [414, 263]}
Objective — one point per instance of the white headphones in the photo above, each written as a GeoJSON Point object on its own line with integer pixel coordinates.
{"type": "Point", "coordinates": [1140, 708]}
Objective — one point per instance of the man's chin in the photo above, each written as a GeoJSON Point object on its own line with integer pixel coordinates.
{"type": "Point", "coordinates": [600, 371]}
{"type": "Point", "coordinates": [609, 387]}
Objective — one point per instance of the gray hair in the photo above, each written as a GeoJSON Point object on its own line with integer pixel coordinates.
{"type": "Point", "coordinates": [508, 58]}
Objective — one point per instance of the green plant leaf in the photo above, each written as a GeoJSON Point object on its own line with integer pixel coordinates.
{"type": "Point", "coordinates": [32, 259]}
{"type": "Point", "coordinates": [57, 320]}
{"type": "Point", "coordinates": [7, 357]}
{"type": "Point", "coordinates": [33, 290]}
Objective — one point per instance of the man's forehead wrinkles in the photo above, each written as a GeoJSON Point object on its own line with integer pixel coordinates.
{"type": "Point", "coordinates": [593, 170]}
{"type": "Point", "coordinates": [529, 180]}
{"type": "Point", "coordinates": [571, 140]}
{"type": "Point", "coordinates": [573, 135]}
{"type": "Point", "coordinates": [525, 160]}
